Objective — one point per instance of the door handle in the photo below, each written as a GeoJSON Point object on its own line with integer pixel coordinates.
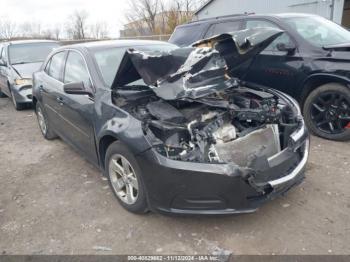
{"type": "Point", "coordinates": [60, 100]}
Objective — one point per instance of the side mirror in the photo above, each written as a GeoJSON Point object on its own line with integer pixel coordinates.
{"type": "Point", "coordinates": [77, 88]}
{"type": "Point", "coordinates": [289, 48]}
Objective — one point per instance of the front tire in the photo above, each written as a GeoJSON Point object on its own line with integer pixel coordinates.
{"type": "Point", "coordinates": [327, 112]}
{"type": "Point", "coordinates": [125, 178]}
{"type": "Point", "coordinates": [44, 124]}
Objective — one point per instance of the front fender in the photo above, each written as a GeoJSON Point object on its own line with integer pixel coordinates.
{"type": "Point", "coordinates": [128, 131]}
{"type": "Point", "coordinates": [345, 77]}
{"type": "Point", "coordinates": [315, 80]}
{"type": "Point", "coordinates": [115, 122]}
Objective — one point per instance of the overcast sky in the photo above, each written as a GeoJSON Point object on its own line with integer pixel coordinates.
{"type": "Point", "coordinates": [51, 12]}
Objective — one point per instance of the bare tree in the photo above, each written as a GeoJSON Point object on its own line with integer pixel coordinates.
{"type": "Point", "coordinates": [8, 28]}
{"type": "Point", "coordinates": [56, 30]}
{"type": "Point", "coordinates": [99, 30]}
{"type": "Point", "coordinates": [147, 17]}
{"type": "Point", "coordinates": [31, 29]}
{"type": "Point", "coordinates": [142, 15]}
{"type": "Point", "coordinates": [47, 34]}
{"type": "Point", "coordinates": [77, 25]}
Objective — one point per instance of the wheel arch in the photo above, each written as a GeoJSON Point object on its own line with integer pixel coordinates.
{"type": "Point", "coordinates": [316, 80]}
{"type": "Point", "coordinates": [104, 142]}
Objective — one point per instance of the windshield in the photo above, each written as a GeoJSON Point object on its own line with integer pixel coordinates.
{"type": "Point", "coordinates": [108, 60]}
{"type": "Point", "coordinates": [30, 53]}
{"type": "Point", "coordinates": [319, 31]}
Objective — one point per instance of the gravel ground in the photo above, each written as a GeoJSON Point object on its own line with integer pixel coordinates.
{"type": "Point", "coordinates": [52, 201]}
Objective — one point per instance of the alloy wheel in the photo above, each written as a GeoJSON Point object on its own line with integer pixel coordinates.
{"type": "Point", "coordinates": [123, 179]}
{"type": "Point", "coordinates": [330, 112]}
{"type": "Point", "coordinates": [42, 121]}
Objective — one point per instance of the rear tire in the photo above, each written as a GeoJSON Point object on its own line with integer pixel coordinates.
{"type": "Point", "coordinates": [125, 178]}
{"type": "Point", "coordinates": [43, 122]}
{"type": "Point", "coordinates": [326, 111]}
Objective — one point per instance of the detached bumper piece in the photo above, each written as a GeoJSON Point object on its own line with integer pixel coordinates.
{"type": "Point", "coordinates": [176, 187]}
{"type": "Point", "coordinates": [292, 167]}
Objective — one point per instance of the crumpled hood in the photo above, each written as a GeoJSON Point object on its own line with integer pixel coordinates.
{"type": "Point", "coordinates": [27, 70]}
{"type": "Point", "coordinates": [195, 71]}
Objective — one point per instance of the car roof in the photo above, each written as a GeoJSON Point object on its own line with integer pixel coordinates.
{"type": "Point", "coordinates": [212, 19]}
{"type": "Point", "coordinates": [114, 43]}
{"type": "Point", "coordinates": [32, 41]}
{"type": "Point", "coordinates": [285, 15]}
{"type": "Point", "coordinates": [240, 16]}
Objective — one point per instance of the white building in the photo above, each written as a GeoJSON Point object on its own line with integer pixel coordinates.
{"type": "Point", "coordinates": [335, 10]}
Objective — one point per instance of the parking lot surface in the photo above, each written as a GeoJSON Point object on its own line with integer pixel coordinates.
{"type": "Point", "coordinates": [52, 201]}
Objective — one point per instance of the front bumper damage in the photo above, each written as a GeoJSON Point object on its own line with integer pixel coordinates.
{"type": "Point", "coordinates": [216, 145]}
{"type": "Point", "coordinates": [22, 93]}
{"type": "Point", "coordinates": [176, 187]}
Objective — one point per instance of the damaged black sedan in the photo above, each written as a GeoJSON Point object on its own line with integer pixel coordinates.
{"type": "Point", "coordinates": [170, 127]}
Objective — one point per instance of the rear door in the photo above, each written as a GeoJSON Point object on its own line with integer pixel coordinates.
{"type": "Point", "coordinates": [50, 88]}
{"type": "Point", "coordinates": [77, 111]}
{"type": "Point", "coordinates": [274, 68]}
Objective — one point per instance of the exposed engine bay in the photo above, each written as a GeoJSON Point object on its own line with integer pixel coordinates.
{"type": "Point", "coordinates": [193, 108]}
{"type": "Point", "coordinates": [231, 126]}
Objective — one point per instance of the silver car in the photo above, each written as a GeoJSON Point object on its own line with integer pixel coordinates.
{"type": "Point", "coordinates": [18, 61]}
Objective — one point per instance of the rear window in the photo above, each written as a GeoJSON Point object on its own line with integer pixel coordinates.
{"type": "Point", "coordinates": [186, 35]}
{"type": "Point", "coordinates": [30, 53]}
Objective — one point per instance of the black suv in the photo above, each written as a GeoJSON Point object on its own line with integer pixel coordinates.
{"type": "Point", "coordinates": [310, 61]}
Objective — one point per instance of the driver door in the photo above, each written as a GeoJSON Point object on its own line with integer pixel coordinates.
{"type": "Point", "coordinates": [77, 110]}
{"type": "Point", "coordinates": [273, 67]}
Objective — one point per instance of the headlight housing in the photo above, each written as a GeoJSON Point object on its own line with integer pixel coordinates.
{"type": "Point", "coordinates": [23, 81]}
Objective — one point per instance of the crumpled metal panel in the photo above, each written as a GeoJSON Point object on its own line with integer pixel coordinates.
{"type": "Point", "coordinates": [241, 46]}
{"type": "Point", "coordinates": [258, 145]}
{"type": "Point", "coordinates": [198, 71]}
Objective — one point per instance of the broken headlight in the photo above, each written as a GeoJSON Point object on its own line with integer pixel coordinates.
{"type": "Point", "coordinates": [23, 81]}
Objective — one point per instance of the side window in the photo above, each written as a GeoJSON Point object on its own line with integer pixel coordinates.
{"type": "Point", "coordinates": [76, 70]}
{"type": "Point", "coordinates": [55, 65]}
{"type": "Point", "coordinates": [224, 27]}
{"type": "Point", "coordinates": [284, 38]}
